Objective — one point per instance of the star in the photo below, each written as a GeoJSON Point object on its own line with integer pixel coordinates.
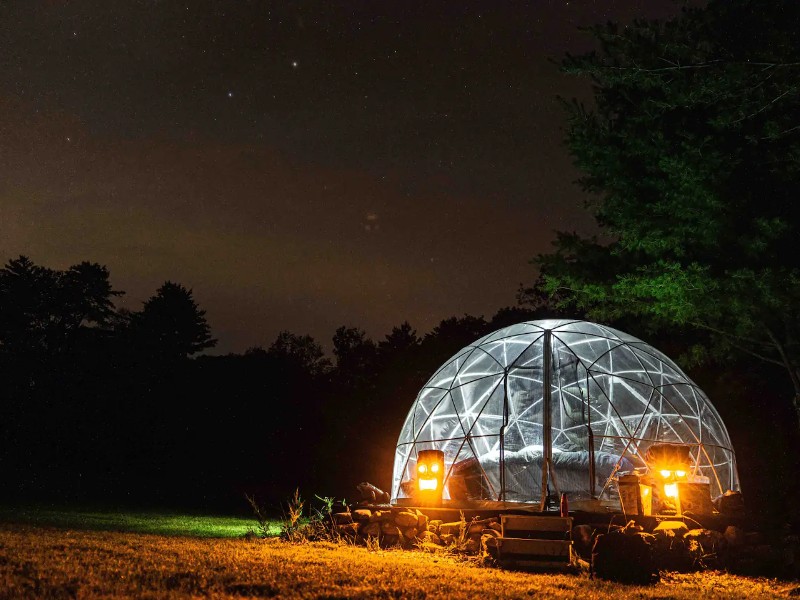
{"type": "Point", "coordinates": [294, 64]}
{"type": "Point", "coordinates": [230, 94]}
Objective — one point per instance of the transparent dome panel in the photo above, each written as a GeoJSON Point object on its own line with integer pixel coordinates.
{"type": "Point", "coordinates": [568, 403]}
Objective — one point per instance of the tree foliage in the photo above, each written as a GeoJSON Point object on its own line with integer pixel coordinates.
{"type": "Point", "coordinates": [171, 324]}
{"type": "Point", "coordinates": [691, 153]}
{"type": "Point", "coordinates": [44, 310]}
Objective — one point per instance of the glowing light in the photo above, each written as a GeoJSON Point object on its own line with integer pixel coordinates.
{"type": "Point", "coordinates": [671, 490]}
{"type": "Point", "coordinates": [428, 484]}
{"type": "Point", "coordinates": [680, 473]}
{"type": "Point", "coordinates": [423, 468]}
{"type": "Point", "coordinates": [435, 468]}
{"type": "Point", "coordinates": [665, 473]}
{"type": "Point", "coordinates": [645, 491]}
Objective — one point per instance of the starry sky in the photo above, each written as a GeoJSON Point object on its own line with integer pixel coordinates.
{"type": "Point", "coordinates": [298, 165]}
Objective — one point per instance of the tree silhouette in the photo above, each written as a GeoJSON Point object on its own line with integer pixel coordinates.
{"type": "Point", "coordinates": [171, 325]}
{"type": "Point", "coordinates": [43, 310]}
{"type": "Point", "coordinates": [299, 353]}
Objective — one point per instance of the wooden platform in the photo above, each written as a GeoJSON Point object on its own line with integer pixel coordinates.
{"type": "Point", "coordinates": [540, 542]}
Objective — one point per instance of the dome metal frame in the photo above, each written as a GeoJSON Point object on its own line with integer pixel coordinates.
{"type": "Point", "coordinates": [544, 407]}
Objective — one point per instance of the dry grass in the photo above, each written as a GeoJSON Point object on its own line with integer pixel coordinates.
{"type": "Point", "coordinates": [56, 563]}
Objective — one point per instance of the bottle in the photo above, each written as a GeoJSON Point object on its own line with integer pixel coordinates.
{"type": "Point", "coordinates": [564, 505]}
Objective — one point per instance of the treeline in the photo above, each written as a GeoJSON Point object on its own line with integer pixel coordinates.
{"type": "Point", "coordinates": [103, 404]}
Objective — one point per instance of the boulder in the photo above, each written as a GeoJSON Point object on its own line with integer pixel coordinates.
{"type": "Point", "coordinates": [389, 528]}
{"type": "Point", "coordinates": [362, 514]}
{"type": "Point", "coordinates": [348, 530]}
{"type": "Point", "coordinates": [410, 533]}
{"type": "Point", "coordinates": [670, 529]}
{"type": "Point", "coordinates": [370, 529]}
{"type": "Point", "coordinates": [489, 543]}
{"type": "Point", "coordinates": [735, 536]}
{"type": "Point", "coordinates": [434, 524]}
{"type": "Point", "coordinates": [447, 538]}
{"type": "Point", "coordinates": [476, 528]}
{"type": "Point", "coordinates": [622, 557]}
{"type": "Point", "coordinates": [472, 545]}
{"type": "Point", "coordinates": [429, 537]}
{"type": "Point", "coordinates": [453, 528]}
{"type": "Point", "coordinates": [406, 519]}
{"type": "Point", "coordinates": [582, 540]}
{"type": "Point", "coordinates": [422, 521]}
{"type": "Point", "coordinates": [343, 518]}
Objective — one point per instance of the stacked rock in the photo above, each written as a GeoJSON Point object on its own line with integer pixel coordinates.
{"type": "Point", "coordinates": [409, 527]}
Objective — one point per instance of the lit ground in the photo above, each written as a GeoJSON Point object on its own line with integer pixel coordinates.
{"type": "Point", "coordinates": [164, 523]}
{"type": "Point", "coordinates": [39, 561]}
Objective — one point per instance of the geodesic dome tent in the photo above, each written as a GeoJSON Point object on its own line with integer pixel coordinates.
{"type": "Point", "coordinates": [546, 407]}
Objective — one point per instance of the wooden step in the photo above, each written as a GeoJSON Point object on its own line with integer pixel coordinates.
{"type": "Point", "coordinates": [536, 527]}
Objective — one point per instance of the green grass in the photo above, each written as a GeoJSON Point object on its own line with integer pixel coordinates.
{"type": "Point", "coordinates": [155, 522]}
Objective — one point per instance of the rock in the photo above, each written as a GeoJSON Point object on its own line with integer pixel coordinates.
{"type": "Point", "coordinates": [406, 519]}
{"type": "Point", "coordinates": [730, 503]}
{"type": "Point", "coordinates": [343, 518]}
{"type": "Point", "coordinates": [705, 537]}
{"type": "Point", "coordinates": [387, 541]}
{"type": "Point", "coordinates": [429, 537]}
{"type": "Point", "coordinates": [670, 529]}
{"type": "Point", "coordinates": [389, 528]}
{"type": "Point", "coordinates": [410, 533]}
{"type": "Point", "coordinates": [348, 530]}
{"type": "Point", "coordinates": [582, 540]}
{"type": "Point", "coordinates": [617, 556]}
{"type": "Point", "coordinates": [472, 545]}
{"type": "Point", "coordinates": [476, 528]}
{"type": "Point", "coordinates": [371, 529]}
{"type": "Point", "coordinates": [422, 521]}
{"type": "Point", "coordinates": [453, 528]}
{"type": "Point", "coordinates": [362, 514]}
{"type": "Point", "coordinates": [447, 538]}
{"type": "Point", "coordinates": [735, 536]}
{"type": "Point", "coordinates": [489, 543]}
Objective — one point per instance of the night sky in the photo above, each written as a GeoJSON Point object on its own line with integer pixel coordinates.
{"type": "Point", "coordinates": [298, 165]}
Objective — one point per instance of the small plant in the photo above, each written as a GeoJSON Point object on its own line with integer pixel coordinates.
{"type": "Point", "coordinates": [291, 524]}
{"type": "Point", "coordinates": [261, 519]}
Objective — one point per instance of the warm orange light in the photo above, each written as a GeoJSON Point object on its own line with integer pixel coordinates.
{"type": "Point", "coordinates": [435, 468]}
{"type": "Point", "coordinates": [665, 473]}
{"type": "Point", "coordinates": [428, 484]}
{"type": "Point", "coordinates": [422, 468]}
{"type": "Point", "coordinates": [680, 473]}
{"type": "Point", "coordinates": [671, 490]}
{"type": "Point", "coordinates": [645, 491]}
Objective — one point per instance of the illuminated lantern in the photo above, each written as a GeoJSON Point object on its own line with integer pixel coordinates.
{"type": "Point", "coordinates": [670, 465]}
{"type": "Point", "coordinates": [430, 477]}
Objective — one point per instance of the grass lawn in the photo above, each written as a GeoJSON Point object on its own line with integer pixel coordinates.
{"type": "Point", "coordinates": [162, 523]}
{"type": "Point", "coordinates": [41, 561]}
